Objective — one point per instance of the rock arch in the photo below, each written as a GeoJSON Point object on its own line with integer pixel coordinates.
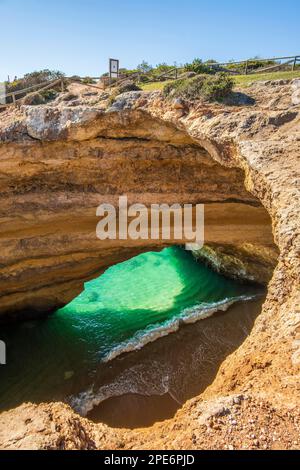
{"type": "Point", "coordinates": [61, 164]}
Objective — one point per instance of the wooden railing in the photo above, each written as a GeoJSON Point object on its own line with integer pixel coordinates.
{"type": "Point", "coordinates": [25, 91]}
{"type": "Point", "coordinates": [246, 65]}
{"type": "Point", "coordinates": [242, 68]}
{"type": "Point", "coordinates": [62, 82]}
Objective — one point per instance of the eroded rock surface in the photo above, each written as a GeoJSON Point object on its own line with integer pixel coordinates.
{"type": "Point", "coordinates": [57, 161]}
{"type": "Point", "coordinates": [224, 423]}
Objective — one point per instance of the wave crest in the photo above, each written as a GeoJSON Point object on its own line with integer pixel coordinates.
{"type": "Point", "coordinates": [133, 380]}
{"type": "Point", "coordinates": [188, 315]}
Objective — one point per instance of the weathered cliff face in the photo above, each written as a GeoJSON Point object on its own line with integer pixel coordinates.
{"type": "Point", "coordinates": [58, 164]}
{"type": "Point", "coordinates": [242, 161]}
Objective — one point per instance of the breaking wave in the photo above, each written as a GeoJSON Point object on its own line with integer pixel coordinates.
{"type": "Point", "coordinates": [189, 315]}
{"type": "Point", "coordinates": [147, 379]}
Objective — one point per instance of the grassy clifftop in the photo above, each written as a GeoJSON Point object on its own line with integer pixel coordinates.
{"type": "Point", "coordinates": [240, 80]}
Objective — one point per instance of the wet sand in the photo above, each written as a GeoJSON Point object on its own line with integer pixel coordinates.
{"type": "Point", "coordinates": [150, 385]}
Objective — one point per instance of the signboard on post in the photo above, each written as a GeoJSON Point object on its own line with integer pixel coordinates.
{"type": "Point", "coordinates": [114, 68]}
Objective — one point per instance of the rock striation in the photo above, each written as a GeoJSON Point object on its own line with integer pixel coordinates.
{"type": "Point", "coordinates": [58, 162]}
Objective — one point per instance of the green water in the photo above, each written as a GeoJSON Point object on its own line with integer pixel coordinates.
{"type": "Point", "coordinates": [131, 304]}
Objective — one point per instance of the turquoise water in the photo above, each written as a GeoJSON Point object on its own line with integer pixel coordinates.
{"type": "Point", "coordinates": [130, 305]}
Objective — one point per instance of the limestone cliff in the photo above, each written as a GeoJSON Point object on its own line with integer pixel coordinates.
{"type": "Point", "coordinates": [59, 162]}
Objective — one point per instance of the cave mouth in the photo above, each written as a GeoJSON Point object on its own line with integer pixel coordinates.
{"type": "Point", "coordinates": [57, 358]}
{"type": "Point", "coordinates": [77, 354]}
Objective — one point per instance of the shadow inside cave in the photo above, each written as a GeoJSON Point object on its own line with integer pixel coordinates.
{"type": "Point", "coordinates": [59, 357]}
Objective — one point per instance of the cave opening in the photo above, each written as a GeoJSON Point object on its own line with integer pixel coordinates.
{"type": "Point", "coordinates": [56, 251]}
{"type": "Point", "coordinates": [139, 341]}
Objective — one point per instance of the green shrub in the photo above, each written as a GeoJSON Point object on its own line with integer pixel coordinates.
{"type": "Point", "coordinates": [161, 69]}
{"type": "Point", "coordinates": [199, 67]}
{"type": "Point", "coordinates": [203, 87]}
{"type": "Point", "coordinates": [144, 67]}
{"type": "Point", "coordinates": [170, 88]}
{"type": "Point", "coordinates": [218, 87]}
{"type": "Point", "coordinates": [49, 94]}
{"type": "Point", "coordinates": [253, 64]}
{"type": "Point", "coordinates": [111, 100]}
{"type": "Point", "coordinates": [87, 80]}
{"type": "Point", "coordinates": [144, 79]}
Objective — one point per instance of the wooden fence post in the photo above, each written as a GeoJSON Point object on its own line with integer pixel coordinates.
{"type": "Point", "coordinates": [294, 63]}
{"type": "Point", "coordinates": [14, 99]}
{"type": "Point", "coordinates": [246, 68]}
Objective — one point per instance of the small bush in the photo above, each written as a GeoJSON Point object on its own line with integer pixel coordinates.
{"type": "Point", "coordinates": [203, 87]}
{"type": "Point", "coordinates": [145, 79]}
{"type": "Point", "coordinates": [199, 67]}
{"type": "Point", "coordinates": [111, 100]}
{"type": "Point", "coordinates": [75, 77]}
{"type": "Point", "coordinates": [49, 95]}
{"type": "Point", "coordinates": [87, 80]}
{"type": "Point", "coordinates": [127, 86]}
{"type": "Point", "coordinates": [253, 64]}
{"type": "Point", "coordinates": [34, 78]}
{"type": "Point", "coordinates": [144, 67]}
{"type": "Point", "coordinates": [171, 88]}
{"type": "Point", "coordinates": [124, 71]}
{"type": "Point", "coordinates": [218, 87]}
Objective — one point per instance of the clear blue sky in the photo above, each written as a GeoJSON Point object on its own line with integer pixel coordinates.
{"type": "Point", "coordinates": [78, 36]}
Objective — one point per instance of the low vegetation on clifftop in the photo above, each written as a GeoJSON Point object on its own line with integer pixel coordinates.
{"type": "Point", "coordinates": [205, 87]}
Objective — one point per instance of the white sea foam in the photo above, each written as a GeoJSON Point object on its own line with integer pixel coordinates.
{"type": "Point", "coordinates": [135, 380]}
{"type": "Point", "coordinates": [188, 315]}
{"type": "Point", "coordinates": [150, 378]}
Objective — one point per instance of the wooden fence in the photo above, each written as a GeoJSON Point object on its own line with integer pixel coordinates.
{"type": "Point", "coordinates": [34, 88]}
{"type": "Point", "coordinates": [241, 68]}
{"type": "Point", "coordinates": [244, 67]}
{"type": "Point", "coordinates": [61, 82]}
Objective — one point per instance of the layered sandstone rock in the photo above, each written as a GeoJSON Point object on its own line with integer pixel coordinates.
{"type": "Point", "coordinates": [58, 162]}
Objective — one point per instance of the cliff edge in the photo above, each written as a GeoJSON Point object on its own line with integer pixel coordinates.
{"type": "Point", "coordinates": [237, 156]}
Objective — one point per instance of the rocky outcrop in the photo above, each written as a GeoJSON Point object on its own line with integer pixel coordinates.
{"type": "Point", "coordinates": [230, 422]}
{"type": "Point", "coordinates": [242, 261]}
{"type": "Point", "coordinates": [242, 159]}
{"type": "Point", "coordinates": [58, 163]}
{"type": "Point", "coordinates": [45, 427]}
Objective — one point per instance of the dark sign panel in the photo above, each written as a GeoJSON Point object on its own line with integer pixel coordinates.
{"type": "Point", "coordinates": [113, 68]}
